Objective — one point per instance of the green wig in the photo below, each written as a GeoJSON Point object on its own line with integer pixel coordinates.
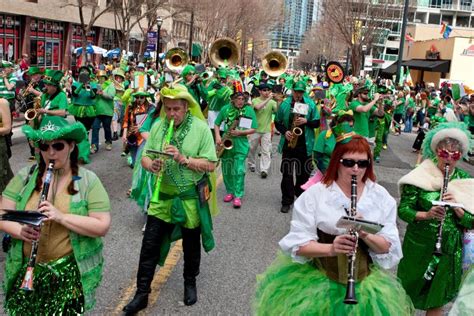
{"type": "Point", "coordinates": [456, 130]}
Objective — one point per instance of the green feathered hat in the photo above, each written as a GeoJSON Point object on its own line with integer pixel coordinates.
{"type": "Point", "coordinates": [456, 130]}
{"type": "Point", "coordinates": [55, 127]}
{"type": "Point", "coordinates": [343, 132]}
{"type": "Point", "coordinates": [53, 77]}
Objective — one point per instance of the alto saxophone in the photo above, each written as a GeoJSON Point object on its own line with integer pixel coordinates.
{"type": "Point", "coordinates": [31, 114]}
{"type": "Point", "coordinates": [227, 142]}
{"type": "Point", "coordinates": [295, 131]}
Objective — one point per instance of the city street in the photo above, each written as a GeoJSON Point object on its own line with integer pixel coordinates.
{"type": "Point", "coordinates": [246, 238]}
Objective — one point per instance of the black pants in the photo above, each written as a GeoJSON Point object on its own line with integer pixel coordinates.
{"type": "Point", "coordinates": [86, 121]}
{"type": "Point", "coordinates": [155, 231]}
{"type": "Point", "coordinates": [294, 163]}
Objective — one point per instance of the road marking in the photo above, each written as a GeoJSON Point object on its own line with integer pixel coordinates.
{"type": "Point", "coordinates": [160, 278]}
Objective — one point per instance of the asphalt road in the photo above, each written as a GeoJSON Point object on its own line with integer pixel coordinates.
{"type": "Point", "coordinates": [246, 239]}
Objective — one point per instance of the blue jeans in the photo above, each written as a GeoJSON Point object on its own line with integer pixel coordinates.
{"type": "Point", "coordinates": [408, 123]}
{"type": "Point", "coordinates": [105, 121]}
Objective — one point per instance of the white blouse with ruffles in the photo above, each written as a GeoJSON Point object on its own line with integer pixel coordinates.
{"type": "Point", "coordinates": [320, 207]}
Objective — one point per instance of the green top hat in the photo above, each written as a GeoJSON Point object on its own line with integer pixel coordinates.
{"type": "Point", "coordinates": [53, 77]}
{"type": "Point", "coordinates": [299, 86]}
{"type": "Point", "coordinates": [34, 70]}
{"type": "Point", "coordinates": [55, 127]}
{"type": "Point", "coordinates": [343, 132]}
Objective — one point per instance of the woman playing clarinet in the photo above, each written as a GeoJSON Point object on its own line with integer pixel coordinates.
{"type": "Point", "coordinates": [431, 269]}
{"type": "Point", "coordinates": [310, 277]}
{"type": "Point", "coordinates": [67, 248]}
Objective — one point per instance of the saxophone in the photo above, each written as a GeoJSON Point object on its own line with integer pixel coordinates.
{"type": "Point", "coordinates": [295, 131]}
{"type": "Point", "coordinates": [31, 114]}
{"type": "Point", "coordinates": [227, 142]}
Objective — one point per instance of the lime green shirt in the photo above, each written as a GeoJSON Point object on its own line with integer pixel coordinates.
{"type": "Point", "coordinates": [264, 115]}
{"type": "Point", "coordinates": [198, 143]}
{"type": "Point", "coordinates": [361, 119]}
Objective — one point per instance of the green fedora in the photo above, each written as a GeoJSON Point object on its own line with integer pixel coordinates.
{"type": "Point", "coordinates": [55, 127]}
{"type": "Point", "coordinates": [53, 77]}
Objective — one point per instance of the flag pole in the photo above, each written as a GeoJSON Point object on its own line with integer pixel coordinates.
{"type": "Point", "coordinates": [402, 41]}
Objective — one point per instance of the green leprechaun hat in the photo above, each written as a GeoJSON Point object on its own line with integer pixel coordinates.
{"type": "Point", "coordinates": [299, 86]}
{"type": "Point", "coordinates": [55, 127]}
{"type": "Point", "coordinates": [53, 77]}
{"type": "Point", "coordinates": [33, 70]}
{"type": "Point", "coordinates": [140, 93]}
{"type": "Point", "coordinates": [343, 132]}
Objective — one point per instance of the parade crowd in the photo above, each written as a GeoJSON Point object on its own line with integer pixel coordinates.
{"type": "Point", "coordinates": [178, 125]}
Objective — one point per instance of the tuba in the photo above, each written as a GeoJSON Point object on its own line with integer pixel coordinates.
{"type": "Point", "coordinates": [224, 52]}
{"type": "Point", "coordinates": [274, 63]}
{"type": "Point", "coordinates": [176, 59]}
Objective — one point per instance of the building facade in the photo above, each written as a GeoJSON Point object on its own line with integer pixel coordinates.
{"type": "Point", "coordinates": [299, 16]}
{"type": "Point", "coordinates": [49, 31]}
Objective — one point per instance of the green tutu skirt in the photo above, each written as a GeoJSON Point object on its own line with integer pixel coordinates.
{"type": "Point", "coordinates": [81, 110]}
{"type": "Point", "coordinates": [57, 290]}
{"type": "Point", "coordinates": [289, 288]}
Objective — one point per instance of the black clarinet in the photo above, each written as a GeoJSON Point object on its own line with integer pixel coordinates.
{"type": "Point", "coordinates": [27, 283]}
{"type": "Point", "coordinates": [444, 189]}
{"type": "Point", "coordinates": [350, 290]}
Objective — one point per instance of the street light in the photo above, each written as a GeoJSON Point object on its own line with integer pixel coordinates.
{"type": "Point", "coordinates": [159, 22]}
{"type": "Point", "coordinates": [364, 51]}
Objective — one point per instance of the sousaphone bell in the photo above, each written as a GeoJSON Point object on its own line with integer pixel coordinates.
{"type": "Point", "coordinates": [274, 63]}
{"type": "Point", "coordinates": [224, 52]}
{"type": "Point", "coordinates": [176, 59]}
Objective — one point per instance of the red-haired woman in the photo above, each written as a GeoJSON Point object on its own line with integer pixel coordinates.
{"type": "Point", "coordinates": [310, 277]}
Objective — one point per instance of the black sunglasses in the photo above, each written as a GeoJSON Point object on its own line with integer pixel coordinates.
{"type": "Point", "coordinates": [55, 146]}
{"type": "Point", "coordinates": [349, 163]}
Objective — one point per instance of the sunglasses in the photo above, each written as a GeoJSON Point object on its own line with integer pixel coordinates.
{"type": "Point", "coordinates": [446, 154]}
{"type": "Point", "coordinates": [349, 163]}
{"type": "Point", "coordinates": [55, 146]}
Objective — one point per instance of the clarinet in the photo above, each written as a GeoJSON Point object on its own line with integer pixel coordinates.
{"type": "Point", "coordinates": [433, 265]}
{"type": "Point", "coordinates": [444, 189]}
{"type": "Point", "coordinates": [350, 289]}
{"type": "Point", "coordinates": [27, 283]}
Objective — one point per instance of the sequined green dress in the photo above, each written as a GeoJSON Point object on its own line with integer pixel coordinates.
{"type": "Point", "coordinates": [418, 246]}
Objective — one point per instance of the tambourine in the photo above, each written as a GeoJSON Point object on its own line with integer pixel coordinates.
{"type": "Point", "coordinates": [334, 72]}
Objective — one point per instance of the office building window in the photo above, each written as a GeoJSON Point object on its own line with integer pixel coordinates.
{"type": "Point", "coordinates": [434, 18]}
{"type": "Point", "coordinates": [462, 21]}
{"type": "Point", "coordinates": [46, 43]}
{"type": "Point", "coordinates": [9, 37]}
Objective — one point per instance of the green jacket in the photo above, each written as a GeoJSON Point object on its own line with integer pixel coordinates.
{"type": "Point", "coordinates": [87, 250]}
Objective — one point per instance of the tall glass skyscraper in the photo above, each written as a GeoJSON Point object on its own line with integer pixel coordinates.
{"type": "Point", "coordinates": [298, 18]}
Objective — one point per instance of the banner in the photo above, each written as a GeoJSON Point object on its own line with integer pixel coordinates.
{"type": "Point", "coordinates": [151, 41]}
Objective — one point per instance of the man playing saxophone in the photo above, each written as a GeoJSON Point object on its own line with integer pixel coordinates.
{"type": "Point", "coordinates": [183, 204]}
{"type": "Point", "coordinates": [296, 114]}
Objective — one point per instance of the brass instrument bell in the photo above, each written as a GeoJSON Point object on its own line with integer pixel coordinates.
{"type": "Point", "coordinates": [176, 59]}
{"type": "Point", "coordinates": [274, 63]}
{"type": "Point", "coordinates": [224, 52]}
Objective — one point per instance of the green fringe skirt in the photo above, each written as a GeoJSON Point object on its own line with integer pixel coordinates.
{"type": "Point", "coordinates": [289, 288]}
{"type": "Point", "coordinates": [57, 290]}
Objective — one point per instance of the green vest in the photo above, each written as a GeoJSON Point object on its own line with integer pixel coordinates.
{"type": "Point", "coordinates": [87, 250]}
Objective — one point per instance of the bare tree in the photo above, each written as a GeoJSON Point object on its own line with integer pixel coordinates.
{"type": "Point", "coordinates": [360, 23]}
{"type": "Point", "coordinates": [91, 9]}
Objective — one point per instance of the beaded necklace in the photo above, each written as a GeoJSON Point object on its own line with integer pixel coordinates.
{"type": "Point", "coordinates": [171, 166]}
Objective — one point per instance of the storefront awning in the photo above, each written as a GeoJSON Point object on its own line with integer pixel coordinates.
{"type": "Point", "coordinates": [421, 64]}
{"type": "Point", "coordinates": [428, 65]}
